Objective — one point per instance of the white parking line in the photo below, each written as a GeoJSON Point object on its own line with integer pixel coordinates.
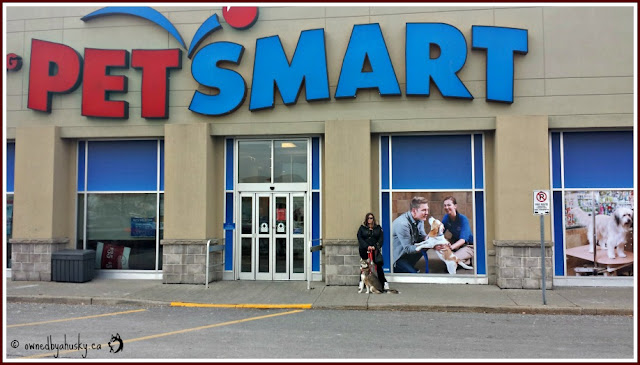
{"type": "Point", "coordinates": [175, 332]}
{"type": "Point", "coordinates": [76, 318]}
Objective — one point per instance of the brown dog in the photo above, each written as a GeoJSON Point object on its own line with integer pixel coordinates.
{"type": "Point", "coordinates": [435, 239]}
{"type": "Point", "coordinates": [369, 279]}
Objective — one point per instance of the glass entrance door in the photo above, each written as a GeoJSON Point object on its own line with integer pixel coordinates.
{"type": "Point", "coordinates": [272, 236]}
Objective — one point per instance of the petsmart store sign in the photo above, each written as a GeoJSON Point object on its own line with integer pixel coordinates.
{"type": "Point", "coordinates": [58, 69]}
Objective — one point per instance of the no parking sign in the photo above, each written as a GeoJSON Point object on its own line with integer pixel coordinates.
{"type": "Point", "coordinates": [541, 207]}
{"type": "Point", "coordinates": [541, 202]}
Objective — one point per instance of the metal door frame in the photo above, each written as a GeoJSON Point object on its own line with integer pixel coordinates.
{"type": "Point", "coordinates": [255, 235]}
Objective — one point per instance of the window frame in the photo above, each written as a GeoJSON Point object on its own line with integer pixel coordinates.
{"type": "Point", "coordinates": [84, 159]}
{"type": "Point", "coordinates": [559, 192]}
{"type": "Point", "coordinates": [476, 189]}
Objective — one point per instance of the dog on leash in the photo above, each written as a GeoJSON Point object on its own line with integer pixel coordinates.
{"type": "Point", "coordinates": [435, 239]}
{"type": "Point", "coordinates": [611, 230]}
{"type": "Point", "coordinates": [369, 279]}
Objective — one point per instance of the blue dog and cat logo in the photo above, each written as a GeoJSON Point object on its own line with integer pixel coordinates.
{"type": "Point", "coordinates": [115, 344]}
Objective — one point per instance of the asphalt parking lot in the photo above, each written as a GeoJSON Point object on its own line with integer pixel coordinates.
{"type": "Point", "coordinates": [76, 332]}
{"type": "Point", "coordinates": [115, 333]}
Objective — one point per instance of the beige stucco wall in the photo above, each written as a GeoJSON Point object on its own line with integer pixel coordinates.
{"type": "Point", "coordinates": [347, 184]}
{"type": "Point", "coordinates": [375, 176]}
{"type": "Point", "coordinates": [44, 185]}
{"type": "Point", "coordinates": [568, 74]}
{"type": "Point", "coordinates": [190, 184]}
{"type": "Point", "coordinates": [520, 166]}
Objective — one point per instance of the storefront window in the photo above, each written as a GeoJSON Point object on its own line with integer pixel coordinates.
{"type": "Point", "coordinates": [122, 230]}
{"type": "Point", "coordinates": [11, 153]}
{"type": "Point", "coordinates": [80, 222]}
{"type": "Point", "coordinates": [119, 210]}
{"type": "Point", "coordinates": [289, 159]}
{"type": "Point", "coordinates": [409, 175]}
{"type": "Point", "coordinates": [593, 187]}
{"type": "Point", "coordinates": [254, 162]}
{"type": "Point", "coordinates": [9, 226]}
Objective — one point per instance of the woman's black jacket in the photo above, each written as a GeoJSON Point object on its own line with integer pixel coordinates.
{"type": "Point", "coordinates": [369, 237]}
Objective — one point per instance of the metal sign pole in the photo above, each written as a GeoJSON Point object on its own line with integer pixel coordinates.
{"type": "Point", "coordinates": [541, 207]}
{"type": "Point", "coordinates": [309, 266]}
{"type": "Point", "coordinates": [544, 283]}
{"type": "Point", "coordinates": [312, 249]}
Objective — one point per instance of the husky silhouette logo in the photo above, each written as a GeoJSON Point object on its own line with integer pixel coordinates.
{"type": "Point", "coordinates": [115, 344]}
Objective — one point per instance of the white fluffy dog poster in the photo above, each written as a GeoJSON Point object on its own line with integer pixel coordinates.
{"type": "Point", "coordinates": [611, 230]}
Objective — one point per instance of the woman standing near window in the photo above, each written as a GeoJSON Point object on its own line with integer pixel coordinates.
{"type": "Point", "coordinates": [370, 239]}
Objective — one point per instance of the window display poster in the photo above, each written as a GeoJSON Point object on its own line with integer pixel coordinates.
{"type": "Point", "coordinates": [429, 262]}
{"type": "Point", "coordinates": [112, 256]}
{"type": "Point", "coordinates": [143, 227]}
{"type": "Point", "coordinates": [608, 249]}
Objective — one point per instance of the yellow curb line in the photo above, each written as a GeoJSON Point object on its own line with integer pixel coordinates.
{"type": "Point", "coordinates": [257, 306]}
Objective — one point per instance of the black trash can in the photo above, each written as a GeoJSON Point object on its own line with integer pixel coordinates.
{"type": "Point", "coordinates": [75, 266]}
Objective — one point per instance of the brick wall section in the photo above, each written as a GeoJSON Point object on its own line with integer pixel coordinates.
{"type": "Point", "coordinates": [341, 262]}
{"type": "Point", "coordinates": [184, 262]}
{"type": "Point", "coordinates": [519, 264]}
{"type": "Point", "coordinates": [491, 267]}
{"type": "Point", "coordinates": [31, 258]}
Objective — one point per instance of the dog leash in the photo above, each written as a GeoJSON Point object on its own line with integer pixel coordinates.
{"type": "Point", "coordinates": [373, 264]}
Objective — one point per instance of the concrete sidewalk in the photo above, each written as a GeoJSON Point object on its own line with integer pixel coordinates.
{"type": "Point", "coordinates": [412, 297]}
